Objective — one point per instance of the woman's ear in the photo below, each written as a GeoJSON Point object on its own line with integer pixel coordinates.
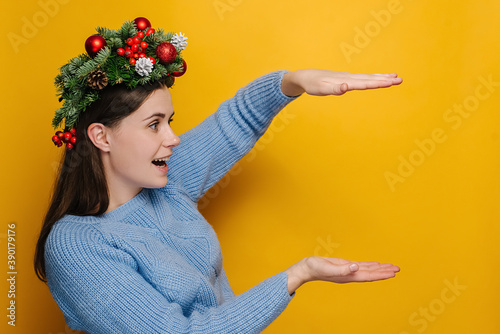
{"type": "Point", "coordinates": [98, 134]}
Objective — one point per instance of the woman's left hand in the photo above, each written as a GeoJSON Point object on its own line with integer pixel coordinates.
{"type": "Point", "coordinates": [324, 82]}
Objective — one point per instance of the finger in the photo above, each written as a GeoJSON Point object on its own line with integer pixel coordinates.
{"type": "Point", "coordinates": [372, 265]}
{"type": "Point", "coordinates": [366, 276]}
{"type": "Point", "coordinates": [364, 76]}
{"type": "Point", "coordinates": [373, 84]}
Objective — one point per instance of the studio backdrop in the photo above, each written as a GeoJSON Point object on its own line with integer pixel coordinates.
{"type": "Point", "coordinates": [408, 175]}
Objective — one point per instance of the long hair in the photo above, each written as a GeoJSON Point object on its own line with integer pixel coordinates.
{"type": "Point", "coordinates": [80, 188]}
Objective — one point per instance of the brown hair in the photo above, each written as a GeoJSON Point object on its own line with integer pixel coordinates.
{"type": "Point", "coordinates": [80, 188]}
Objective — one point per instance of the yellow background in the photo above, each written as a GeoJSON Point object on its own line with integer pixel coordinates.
{"type": "Point", "coordinates": [317, 183]}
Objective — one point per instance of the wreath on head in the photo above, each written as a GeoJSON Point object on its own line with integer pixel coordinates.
{"type": "Point", "coordinates": [133, 55]}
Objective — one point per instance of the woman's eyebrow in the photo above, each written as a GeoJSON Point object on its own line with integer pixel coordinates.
{"type": "Point", "coordinates": [159, 114]}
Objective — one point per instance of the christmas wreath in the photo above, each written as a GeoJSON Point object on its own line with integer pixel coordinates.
{"type": "Point", "coordinates": [133, 55]}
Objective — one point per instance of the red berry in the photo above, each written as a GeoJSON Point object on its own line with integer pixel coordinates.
{"type": "Point", "coordinates": [150, 31]}
{"type": "Point", "coordinates": [59, 144]}
{"type": "Point", "coordinates": [72, 131]}
{"type": "Point", "coordinates": [59, 134]}
{"type": "Point", "coordinates": [142, 55]}
{"type": "Point", "coordinates": [129, 41]}
{"type": "Point", "coordinates": [69, 146]}
{"type": "Point", "coordinates": [127, 48]}
{"type": "Point", "coordinates": [134, 48]}
{"type": "Point", "coordinates": [73, 140]}
{"type": "Point", "coordinates": [136, 55]}
{"type": "Point", "coordinates": [140, 34]}
{"type": "Point", "coordinates": [132, 61]}
{"type": "Point", "coordinates": [120, 51]}
{"type": "Point", "coordinates": [66, 137]}
{"type": "Point", "coordinates": [55, 139]}
{"type": "Point", "coordinates": [144, 45]}
{"type": "Point", "coordinates": [128, 54]}
{"type": "Point", "coordinates": [136, 40]}
{"type": "Point", "coordinates": [152, 60]}
{"type": "Point", "coordinates": [139, 50]}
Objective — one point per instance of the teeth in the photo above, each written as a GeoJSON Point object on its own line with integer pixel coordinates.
{"type": "Point", "coordinates": [165, 159]}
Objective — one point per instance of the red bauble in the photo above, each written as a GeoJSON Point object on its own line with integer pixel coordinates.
{"type": "Point", "coordinates": [166, 53]}
{"type": "Point", "coordinates": [142, 23]}
{"type": "Point", "coordinates": [182, 70]}
{"type": "Point", "coordinates": [93, 44]}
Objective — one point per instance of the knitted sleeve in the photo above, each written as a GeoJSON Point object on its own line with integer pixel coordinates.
{"type": "Point", "coordinates": [100, 290]}
{"type": "Point", "coordinates": [208, 151]}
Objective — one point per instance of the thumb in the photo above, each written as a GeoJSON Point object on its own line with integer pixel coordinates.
{"type": "Point", "coordinates": [340, 89]}
{"type": "Point", "coordinates": [351, 268]}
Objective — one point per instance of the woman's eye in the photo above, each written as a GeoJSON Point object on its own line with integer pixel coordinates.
{"type": "Point", "coordinates": [154, 125]}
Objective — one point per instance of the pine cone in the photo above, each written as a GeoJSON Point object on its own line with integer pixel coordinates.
{"type": "Point", "coordinates": [97, 80]}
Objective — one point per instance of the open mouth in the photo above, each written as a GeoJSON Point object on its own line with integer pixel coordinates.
{"type": "Point", "coordinates": [160, 162]}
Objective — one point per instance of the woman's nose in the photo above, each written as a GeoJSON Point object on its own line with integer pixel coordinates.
{"type": "Point", "coordinates": [171, 139]}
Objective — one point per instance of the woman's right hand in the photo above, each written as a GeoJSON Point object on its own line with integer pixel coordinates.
{"type": "Point", "coordinates": [316, 268]}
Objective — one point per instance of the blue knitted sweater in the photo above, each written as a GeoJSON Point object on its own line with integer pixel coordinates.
{"type": "Point", "coordinates": [154, 264]}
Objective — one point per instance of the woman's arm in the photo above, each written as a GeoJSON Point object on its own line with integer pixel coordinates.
{"type": "Point", "coordinates": [101, 290]}
{"type": "Point", "coordinates": [209, 150]}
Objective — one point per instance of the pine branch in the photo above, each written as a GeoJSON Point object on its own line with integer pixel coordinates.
{"type": "Point", "coordinates": [71, 118]}
{"type": "Point", "coordinates": [102, 55]}
{"type": "Point", "coordinates": [105, 32]}
{"type": "Point", "coordinates": [59, 116]}
{"type": "Point", "coordinates": [87, 100]}
{"type": "Point", "coordinates": [115, 43]}
{"type": "Point", "coordinates": [127, 30]}
{"type": "Point", "coordinates": [87, 68]}
{"type": "Point", "coordinates": [76, 62]}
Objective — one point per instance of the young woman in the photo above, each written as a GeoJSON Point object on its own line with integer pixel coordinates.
{"type": "Point", "coordinates": [123, 247]}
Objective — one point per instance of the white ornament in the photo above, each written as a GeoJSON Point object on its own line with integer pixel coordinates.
{"type": "Point", "coordinates": [179, 41]}
{"type": "Point", "coordinates": [144, 66]}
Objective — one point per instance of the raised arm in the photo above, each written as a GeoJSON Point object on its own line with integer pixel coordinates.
{"type": "Point", "coordinates": [208, 151]}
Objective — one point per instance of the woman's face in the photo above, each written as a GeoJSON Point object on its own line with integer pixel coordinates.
{"type": "Point", "coordinates": [141, 144]}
